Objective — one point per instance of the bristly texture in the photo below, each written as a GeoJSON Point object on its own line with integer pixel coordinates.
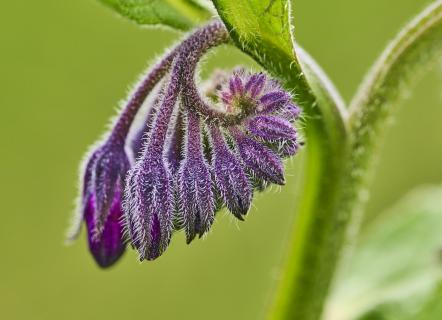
{"type": "Point", "coordinates": [101, 202]}
{"type": "Point", "coordinates": [149, 188]}
{"type": "Point", "coordinates": [195, 190]}
{"type": "Point", "coordinates": [231, 180]}
{"type": "Point", "coordinates": [195, 154]}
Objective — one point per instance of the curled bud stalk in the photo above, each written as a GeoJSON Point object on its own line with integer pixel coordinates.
{"type": "Point", "coordinates": [196, 153]}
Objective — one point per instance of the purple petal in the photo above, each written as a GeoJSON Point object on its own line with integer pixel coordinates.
{"type": "Point", "coordinates": [109, 246]}
{"type": "Point", "coordinates": [255, 84]}
{"type": "Point", "coordinates": [270, 128]}
{"type": "Point", "coordinates": [259, 159]}
{"type": "Point", "coordinates": [230, 178]}
{"type": "Point", "coordinates": [236, 86]}
{"type": "Point", "coordinates": [273, 101]}
{"type": "Point", "coordinates": [226, 97]}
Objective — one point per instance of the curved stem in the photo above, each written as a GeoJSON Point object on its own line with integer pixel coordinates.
{"type": "Point", "coordinates": [316, 241]}
{"type": "Point", "coordinates": [194, 46]}
{"type": "Point", "coordinates": [318, 233]}
{"type": "Point", "coordinates": [336, 155]}
{"type": "Point", "coordinates": [137, 98]}
{"type": "Point", "coordinates": [400, 66]}
{"type": "Point", "coordinates": [190, 52]}
{"type": "Point", "coordinates": [320, 226]}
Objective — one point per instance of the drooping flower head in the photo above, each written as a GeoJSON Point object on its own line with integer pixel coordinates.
{"type": "Point", "coordinates": [198, 152]}
{"type": "Point", "coordinates": [102, 178]}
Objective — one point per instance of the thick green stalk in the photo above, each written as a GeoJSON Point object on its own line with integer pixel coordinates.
{"type": "Point", "coordinates": [315, 245]}
{"type": "Point", "coordinates": [318, 231]}
{"type": "Point", "coordinates": [329, 206]}
{"type": "Point", "coordinates": [337, 162]}
{"type": "Point", "coordinates": [413, 51]}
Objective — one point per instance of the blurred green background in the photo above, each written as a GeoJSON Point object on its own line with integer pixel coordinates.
{"type": "Point", "coordinates": [65, 65]}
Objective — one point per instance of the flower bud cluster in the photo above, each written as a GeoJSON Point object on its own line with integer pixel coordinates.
{"type": "Point", "coordinates": [195, 154]}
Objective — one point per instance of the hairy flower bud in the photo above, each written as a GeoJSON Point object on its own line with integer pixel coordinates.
{"type": "Point", "coordinates": [259, 159]}
{"type": "Point", "coordinates": [148, 206]}
{"type": "Point", "coordinates": [101, 202]}
{"type": "Point", "coordinates": [230, 177]}
{"type": "Point", "coordinates": [107, 248]}
{"type": "Point", "coordinates": [271, 128]}
{"type": "Point", "coordinates": [149, 187]}
{"type": "Point", "coordinates": [194, 155]}
{"type": "Point", "coordinates": [195, 193]}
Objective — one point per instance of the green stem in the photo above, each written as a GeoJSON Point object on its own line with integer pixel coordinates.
{"type": "Point", "coordinates": [333, 199]}
{"type": "Point", "coordinates": [313, 251]}
{"type": "Point", "coordinates": [337, 156]}
{"type": "Point", "coordinates": [413, 51]}
{"type": "Point", "coordinates": [316, 239]}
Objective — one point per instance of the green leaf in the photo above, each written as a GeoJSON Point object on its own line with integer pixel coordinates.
{"type": "Point", "coordinates": [260, 27]}
{"type": "Point", "coordinates": [179, 14]}
{"type": "Point", "coordinates": [263, 29]}
{"type": "Point", "coordinates": [432, 309]}
{"type": "Point", "coordinates": [396, 265]}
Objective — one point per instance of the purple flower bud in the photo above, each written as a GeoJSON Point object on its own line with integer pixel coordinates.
{"type": "Point", "coordinates": [109, 247]}
{"type": "Point", "coordinates": [263, 109]}
{"type": "Point", "coordinates": [149, 187]}
{"type": "Point", "coordinates": [101, 202]}
{"type": "Point", "coordinates": [236, 86]}
{"type": "Point", "coordinates": [273, 101]}
{"type": "Point", "coordinates": [263, 163]}
{"type": "Point", "coordinates": [230, 178]}
{"type": "Point", "coordinates": [195, 184]}
{"type": "Point", "coordinates": [108, 176]}
{"type": "Point", "coordinates": [255, 84]}
{"type": "Point", "coordinates": [271, 128]}
{"type": "Point", "coordinates": [248, 93]}
{"type": "Point", "coordinates": [148, 206]}
{"type": "Point", "coordinates": [192, 158]}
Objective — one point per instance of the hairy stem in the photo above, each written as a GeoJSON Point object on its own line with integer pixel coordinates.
{"type": "Point", "coordinates": [314, 249]}
{"type": "Point", "coordinates": [137, 98]}
{"type": "Point", "coordinates": [195, 45]}
{"type": "Point", "coordinates": [339, 145]}
{"type": "Point", "coordinates": [418, 45]}
{"type": "Point", "coordinates": [414, 50]}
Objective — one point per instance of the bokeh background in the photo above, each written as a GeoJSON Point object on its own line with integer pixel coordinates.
{"type": "Point", "coordinates": [64, 65]}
